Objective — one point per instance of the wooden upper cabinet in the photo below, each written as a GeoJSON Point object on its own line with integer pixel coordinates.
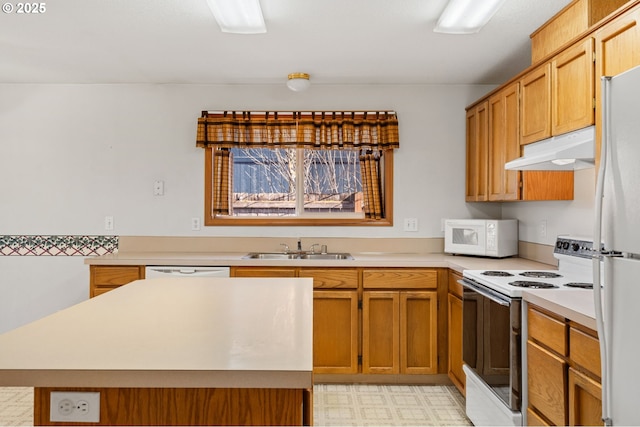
{"type": "Point", "coordinates": [558, 96]}
{"type": "Point", "coordinates": [569, 23]}
{"type": "Point", "coordinates": [504, 146]}
{"type": "Point", "coordinates": [535, 104]}
{"type": "Point", "coordinates": [477, 153]}
{"type": "Point", "coordinates": [573, 92]}
{"type": "Point", "coordinates": [617, 47]}
{"type": "Point", "coordinates": [504, 143]}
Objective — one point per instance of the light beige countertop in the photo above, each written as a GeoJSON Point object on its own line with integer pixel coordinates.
{"type": "Point", "coordinates": [171, 332]}
{"type": "Point", "coordinates": [361, 259]}
{"type": "Point", "coordinates": [573, 304]}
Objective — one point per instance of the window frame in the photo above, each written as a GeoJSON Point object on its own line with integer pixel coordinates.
{"type": "Point", "coordinates": [211, 220]}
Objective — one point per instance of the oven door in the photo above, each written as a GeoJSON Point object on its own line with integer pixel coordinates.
{"type": "Point", "coordinates": [491, 340]}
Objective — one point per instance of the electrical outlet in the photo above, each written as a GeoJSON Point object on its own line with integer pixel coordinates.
{"type": "Point", "coordinates": [75, 406]}
{"type": "Point", "coordinates": [195, 224]}
{"type": "Point", "coordinates": [543, 228]}
{"type": "Point", "coordinates": [158, 188]}
{"type": "Point", "coordinates": [108, 223]}
{"type": "Point", "coordinates": [411, 224]}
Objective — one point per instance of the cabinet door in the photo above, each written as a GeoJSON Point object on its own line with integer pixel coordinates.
{"type": "Point", "coordinates": [456, 374]}
{"type": "Point", "coordinates": [104, 278]}
{"type": "Point", "coordinates": [573, 96]}
{"type": "Point", "coordinates": [504, 143]}
{"type": "Point", "coordinates": [418, 332]}
{"type": "Point", "coordinates": [477, 153]}
{"type": "Point", "coordinates": [585, 400]}
{"type": "Point", "coordinates": [335, 332]}
{"type": "Point", "coordinates": [535, 105]}
{"type": "Point", "coordinates": [546, 375]}
{"type": "Point", "coordinates": [380, 332]}
{"type": "Point", "coordinates": [263, 272]}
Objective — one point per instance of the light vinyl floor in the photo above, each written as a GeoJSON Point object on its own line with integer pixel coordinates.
{"type": "Point", "coordinates": [333, 405]}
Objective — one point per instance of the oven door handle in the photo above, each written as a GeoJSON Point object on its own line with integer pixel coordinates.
{"type": "Point", "coordinates": [486, 292]}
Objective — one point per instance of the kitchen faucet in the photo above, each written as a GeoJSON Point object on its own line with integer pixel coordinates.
{"type": "Point", "coordinates": [299, 245]}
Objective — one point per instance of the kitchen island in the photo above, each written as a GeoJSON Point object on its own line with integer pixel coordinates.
{"type": "Point", "coordinates": [187, 351]}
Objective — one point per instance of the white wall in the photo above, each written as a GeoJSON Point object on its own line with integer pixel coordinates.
{"type": "Point", "coordinates": [73, 154]}
{"type": "Point", "coordinates": [574, 217]}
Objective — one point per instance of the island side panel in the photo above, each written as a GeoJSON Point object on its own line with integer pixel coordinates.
{"type": "Point", "coordinates": [188, 406]}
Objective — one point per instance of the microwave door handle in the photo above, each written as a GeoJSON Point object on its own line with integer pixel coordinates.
{"type": "Point", "coordinates": [487, 293]}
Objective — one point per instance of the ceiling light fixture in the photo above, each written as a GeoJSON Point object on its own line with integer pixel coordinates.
{"type": "Point", "coordinates": [466, 16]}
{"type": "Point", "coordinates": [238, 16]}
{"type": "Point", "coordinates": [298, 82]}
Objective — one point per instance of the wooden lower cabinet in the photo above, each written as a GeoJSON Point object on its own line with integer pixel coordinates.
{"type": "Point", "coordinates": [563, 365]}
{"type": "Point", "coordinates": [585, 400]}
{"type": "Point", "coordinates": [454, 323]}
{"type": "Point", "coordinates": [263, 272]}
{"type": "Point", "coordinates": [335, 319]}
{"type": "Point", "coordinates": [399, 332]}
{"type": "Point", "coordinates": [396, 332]}
{"type": "Point", "coordinates": [103, 278]}
{"type": "Point", "coordinates": [335, 313]}
{"type": "Point", "coordinates": [547, 384]}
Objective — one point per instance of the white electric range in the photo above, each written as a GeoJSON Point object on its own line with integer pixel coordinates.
{"type": "Point", "coordinates": [493, 330]}
{"type": "Point", "coordinates": [574, 271]}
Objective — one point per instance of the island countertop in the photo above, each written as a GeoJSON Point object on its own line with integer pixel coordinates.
{"type": "Point", "coordinates": [171, 332]}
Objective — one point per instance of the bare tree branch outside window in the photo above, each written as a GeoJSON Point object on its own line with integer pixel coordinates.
{"type": "Point", "coordinates": [265, 181]}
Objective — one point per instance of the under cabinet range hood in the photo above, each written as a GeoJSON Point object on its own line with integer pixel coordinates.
{"type": "Point", "coordinates": [569, 151]}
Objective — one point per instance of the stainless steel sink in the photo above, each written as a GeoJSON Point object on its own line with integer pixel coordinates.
{"type": "Point", "coordinates": [267, 255]}
{"type": "Point", "coordinates": [297, 255]}
{"type": "Point", "coordinates": [326, 256]}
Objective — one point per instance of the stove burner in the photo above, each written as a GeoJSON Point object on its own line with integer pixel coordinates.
{"type": "Point", "coordinates": [541, 274]}
{"type": "Point", "coordinates": [494, 273]}
{"type": "Point", "coordinates": [532, 284]}
{"type": "Point", "coordinates": [579, 285]}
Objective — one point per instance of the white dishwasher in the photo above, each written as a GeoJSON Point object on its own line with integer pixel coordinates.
{"type": "Point", "coordinates": [152, 271]}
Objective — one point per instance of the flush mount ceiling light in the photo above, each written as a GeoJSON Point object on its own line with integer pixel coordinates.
{"type": "Point", "coordinates": [466, 16]}
{"type": "Point", "coordinates": [298, 82]}
{"type": "Point", "coordinates": [238, 16]}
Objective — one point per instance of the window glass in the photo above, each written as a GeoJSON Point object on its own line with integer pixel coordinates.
{"type": "Point", "coordinates": [271, 182]}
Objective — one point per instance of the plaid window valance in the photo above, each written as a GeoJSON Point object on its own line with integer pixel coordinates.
{"type": "Point", "coordinates": [374, 130]}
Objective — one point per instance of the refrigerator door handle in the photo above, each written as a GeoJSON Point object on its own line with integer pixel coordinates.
{"type": "Point", "coordinates": [597, 238]}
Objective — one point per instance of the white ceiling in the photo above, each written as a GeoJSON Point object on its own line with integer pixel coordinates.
{"type": "Point", "coordinates": [336, 41]}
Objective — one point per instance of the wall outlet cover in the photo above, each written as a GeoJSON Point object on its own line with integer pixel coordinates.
{"type": "Point", "coordinates": [75, 406]}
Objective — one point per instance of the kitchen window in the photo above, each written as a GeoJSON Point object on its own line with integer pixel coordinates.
{"type": "Point", "coordinates": [298, 168]}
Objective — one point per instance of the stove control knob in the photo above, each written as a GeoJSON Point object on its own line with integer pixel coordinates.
{"type": "Point", "coordinates": [575, 246]}
{"type": "Point", "coordinates": [565, 245]}
{"type": "Point", "coordinates": [559, 244]}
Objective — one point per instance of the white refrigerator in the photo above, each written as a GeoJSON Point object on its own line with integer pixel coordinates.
{"type": "Point", "coordinates": [617, 269]}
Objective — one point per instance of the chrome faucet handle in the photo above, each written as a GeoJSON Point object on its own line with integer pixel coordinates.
{"type": "Point", "coordinates": [313, 248]}
{"type": "Point", "coordinates": [286, 247]}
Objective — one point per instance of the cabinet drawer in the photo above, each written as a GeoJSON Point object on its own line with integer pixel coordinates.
{"type": "Point", "coordinates": [455, 288]}
{"type": "Point", "coordinates": [547, 330]}
{"type": "Point", "coordinates": [400, 278]}
{"type": "Point", "coordinates": [263, 272]}
{"type": "Point", "coordinates": [335, 278]}
{"type": "Point", "coordinates": [584, 350]}
{"type": "Point", "coordinates": [115, 275]}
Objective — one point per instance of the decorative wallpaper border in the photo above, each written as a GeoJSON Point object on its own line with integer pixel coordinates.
{"type": "Point", "coordinates": [57, 245]}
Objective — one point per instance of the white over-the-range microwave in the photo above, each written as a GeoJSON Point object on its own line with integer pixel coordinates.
{"type": "Point", "coordinates": [496, 238]}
